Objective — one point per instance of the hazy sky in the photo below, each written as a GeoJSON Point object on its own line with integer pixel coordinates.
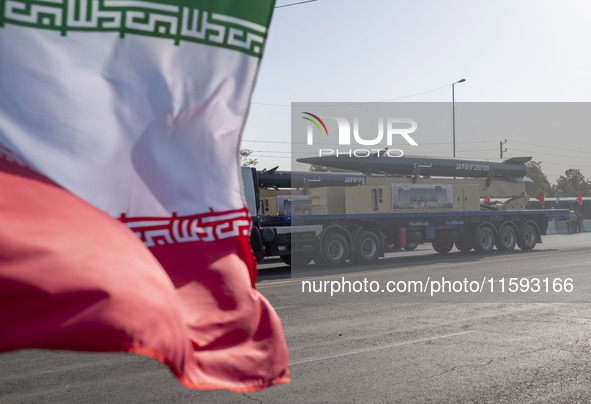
{"type": "Point", "coordinates": [376, 50]}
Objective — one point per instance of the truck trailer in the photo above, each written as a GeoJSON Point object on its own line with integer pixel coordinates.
{"type": "Point", "coordinates": [367, 216]}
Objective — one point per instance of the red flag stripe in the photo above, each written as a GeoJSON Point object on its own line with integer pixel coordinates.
{"type": "Point", "coordinates": [72, 277]}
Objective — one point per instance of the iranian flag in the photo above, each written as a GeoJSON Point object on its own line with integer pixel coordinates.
{"type": "Point", "coordinates": [124, 227]}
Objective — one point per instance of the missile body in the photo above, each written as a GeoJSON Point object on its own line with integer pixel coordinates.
{"type": "Point", "coordinates": [427, 166]}
{"type": "Point", "coordinates": [299, 179]}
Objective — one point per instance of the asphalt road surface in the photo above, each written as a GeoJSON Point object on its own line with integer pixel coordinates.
{"type": "Point", "coordinates": [527, 340]}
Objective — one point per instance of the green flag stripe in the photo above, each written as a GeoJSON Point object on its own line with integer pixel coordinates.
{"type": "Point", "coordinates": [226, 24]}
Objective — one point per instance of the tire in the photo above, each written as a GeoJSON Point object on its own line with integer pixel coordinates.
{"type": "Point", "coordinates": [464, 246]}
{"type": "Point", "coordinates": [442, 246]}
{"type": "Point", "coordinates": [298, 260]}
{"type": "Point", "coordinates": [256, 243]}
{"type": "Point", "coordinates": [507, 238]}
{"type": "Point", "coordinates": [447, 235]}
{"type": "Point", "coordinates": [484, 240]}
{"type": "Point", "coordinates": [411, 246]}
{"type": "Point", "coordinates": [334, 250]}
{"type": "Point", "coordinates": [527, 237]}
{"type": "Point", "coordinates": [368, 248]}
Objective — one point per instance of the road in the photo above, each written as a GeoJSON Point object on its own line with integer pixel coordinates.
{"type": "Point", "coordinates": [467, 345]}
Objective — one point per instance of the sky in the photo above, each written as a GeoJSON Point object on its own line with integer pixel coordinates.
{"type": "Point", "coordinates": [412, 51]}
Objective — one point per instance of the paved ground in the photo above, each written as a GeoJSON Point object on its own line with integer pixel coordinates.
{"type": "Point", "coordinates": [382, 347]}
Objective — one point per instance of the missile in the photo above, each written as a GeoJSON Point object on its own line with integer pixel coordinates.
{"type": "Point", "coordinates": [298, 179]}
{"type": "Point", "coordinates": [513, 168]}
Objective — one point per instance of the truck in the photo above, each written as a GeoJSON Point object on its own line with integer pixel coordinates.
{"type": "Point", "coordinates": [271, 231]}
{"type": "Point", "coordinates": [359, 218]}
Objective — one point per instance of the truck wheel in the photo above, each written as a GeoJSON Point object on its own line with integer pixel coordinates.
{"type": "Point", "coordinates": [334, 250]}
{"type": "Point", "coordinates": [411, 246]}
{"type": "Point", "coordinates": [256, 243]}
{"type": "Point", "coordinates": [298, 260]}
{"type": "Point", "coordinates": [527, 238]}
{"type": "Point", "coordinates": [507, 238]}
{"type": "Point", "coordinates": [442, 246]}
{"type": "Point", "coordinates": [484, 241]}
{"type": "Point", "coordinates": [368, 248]}
{"type": "Point", "coordinates": [464, 246]}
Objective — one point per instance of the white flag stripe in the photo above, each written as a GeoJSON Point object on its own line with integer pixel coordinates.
{"type": "Point", "coordinates": [136, 127]}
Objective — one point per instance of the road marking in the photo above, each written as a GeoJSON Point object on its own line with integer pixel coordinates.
{"type": "Point", "coordinates": [374, 348]}
{"type": "Point", "coordinates": [414, 268]}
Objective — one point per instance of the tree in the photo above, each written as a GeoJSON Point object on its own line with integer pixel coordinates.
{"type": "Point", "coordinates": [245, 159]}
{"type": "Point", "coordinates": [572, 183]}
{"type": "Point", "coordinates": [540, 181]}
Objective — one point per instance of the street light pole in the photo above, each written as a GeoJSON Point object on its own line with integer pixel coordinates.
{"type": "Point", "coordinates": [453, 107]}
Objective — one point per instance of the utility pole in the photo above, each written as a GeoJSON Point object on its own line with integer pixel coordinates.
{"type": "Point", "coordinates": [453, 113]}
{"type": "Point", "coordinates": [501, 143]}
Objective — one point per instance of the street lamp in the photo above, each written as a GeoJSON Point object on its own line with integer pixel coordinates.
{"type": "Point", "coordinates": [453, 107]}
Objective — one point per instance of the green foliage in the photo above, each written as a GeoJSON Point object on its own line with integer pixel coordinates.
{"type": "Point", "coordinates": [540, 181]}
{"type": "Point", "coordinates": [245, 159]}
{"type": "Point", "coordinates": [572, 183]}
